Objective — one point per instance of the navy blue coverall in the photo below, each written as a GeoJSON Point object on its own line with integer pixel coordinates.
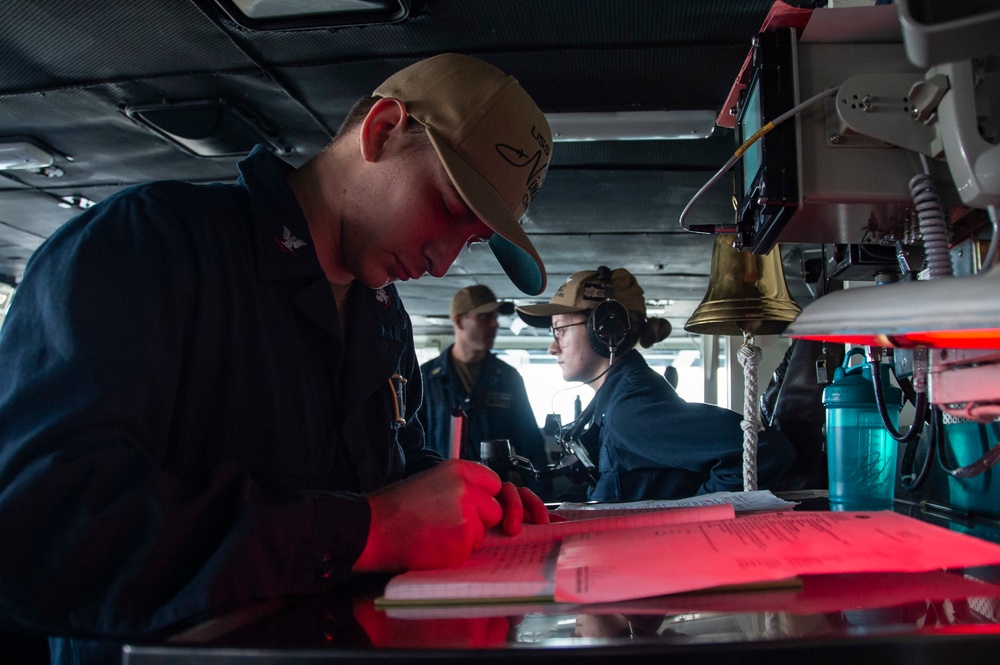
{"type": "Point", "coordinates": [185, 423]}
{"type": "Point", "coordinates": [651, 444]}
{"type": "Point", "coordinates": [496, 408]}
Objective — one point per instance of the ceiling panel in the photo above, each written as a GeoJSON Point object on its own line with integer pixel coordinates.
{"type": "Point", "coordinates": [71, 69]}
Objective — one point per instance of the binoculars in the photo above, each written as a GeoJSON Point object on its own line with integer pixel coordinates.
{"type": "Point", "coordinates": [574, 463]}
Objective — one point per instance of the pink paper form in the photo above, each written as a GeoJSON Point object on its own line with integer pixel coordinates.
{"type": "Point", "coordinates": [606, 567]}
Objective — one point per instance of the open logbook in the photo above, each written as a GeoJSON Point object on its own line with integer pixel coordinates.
{"type": "Point", "coordinates": [522, 568]}
{"type": "Point", "coordinates": [676, 550]}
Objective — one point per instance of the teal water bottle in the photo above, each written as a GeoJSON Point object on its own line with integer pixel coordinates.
{"type": "Point", "coordinates": [861, 454]}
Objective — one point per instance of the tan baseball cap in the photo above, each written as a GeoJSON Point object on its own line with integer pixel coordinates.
{"type": "Point", "coordinates": [476, 299]}
{"type": "Point", "coordinates": [494, 143]}
{"type": "Point", "coordinates": [583, 291]}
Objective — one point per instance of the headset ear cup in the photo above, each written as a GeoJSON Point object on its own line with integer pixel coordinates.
{"type": "Point", "coordinates": [607, 328]}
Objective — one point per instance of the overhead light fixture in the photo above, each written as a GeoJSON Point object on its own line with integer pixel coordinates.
{"type": "Point", "coordinates": [203, 128]}
{"type": "Point", "coordinates": [23, 155]}
{"type": "Point", "coordinates": [75, 201]}
{"type": "Point", "coordinates": [945, 313]}
{"type": "Point", "coordinates": [313, 14]}
{"type": "Point", "coordinates": [631, 125]}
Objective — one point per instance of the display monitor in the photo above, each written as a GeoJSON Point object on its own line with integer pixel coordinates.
{"type": "Point", "coordinates": [766, 178]}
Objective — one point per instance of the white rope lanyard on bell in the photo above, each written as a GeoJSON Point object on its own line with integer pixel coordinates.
{"type": "Point", "coordinates": [749, 357]}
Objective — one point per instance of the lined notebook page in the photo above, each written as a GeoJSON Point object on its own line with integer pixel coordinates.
{"type": "Point", "coordinates": [594, 521]}
{"type": "Point", "coordinates": [516, 571]}
{"type": "Point", "coordinates": [523, 566]}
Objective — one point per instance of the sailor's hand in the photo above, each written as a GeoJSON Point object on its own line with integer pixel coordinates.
{"type": "Point", "coordinates": [436, 518]}
{"type": "Point", "coordinates": [520, 505]}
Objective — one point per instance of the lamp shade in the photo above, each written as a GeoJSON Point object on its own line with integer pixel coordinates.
{"type": "Point", "coordinates": [945, 313]}
{"type": "Point", "coordinates": [631, 125]}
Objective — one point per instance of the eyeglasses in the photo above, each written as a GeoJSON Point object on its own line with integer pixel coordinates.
{"type": "Point", "coordinates": [557, 331]}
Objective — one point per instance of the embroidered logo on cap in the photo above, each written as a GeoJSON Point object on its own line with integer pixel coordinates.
{"type": "Point", "coordinates": [595, 291]}
{"type": "Point", "coordinates": [518, 158]}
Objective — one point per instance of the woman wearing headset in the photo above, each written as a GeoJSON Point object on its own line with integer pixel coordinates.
{"type": "Point", "coordinates": [650, 443]}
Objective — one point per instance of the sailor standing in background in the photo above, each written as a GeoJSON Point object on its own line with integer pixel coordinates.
{"type": "Point", "coordinates": [487, 393]}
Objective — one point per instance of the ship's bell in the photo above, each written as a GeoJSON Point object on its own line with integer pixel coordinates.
{"type": "Point", "coordinates": [747, 294]}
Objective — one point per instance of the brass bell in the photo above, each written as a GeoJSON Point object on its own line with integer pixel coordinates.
{"type": "Point", "coordinates": [747, 294]}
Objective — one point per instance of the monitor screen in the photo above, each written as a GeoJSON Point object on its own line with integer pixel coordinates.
{"type": "Point", "coordinates": [750, 124]}
{"type": "Point", "coordinates": [765, 182]}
